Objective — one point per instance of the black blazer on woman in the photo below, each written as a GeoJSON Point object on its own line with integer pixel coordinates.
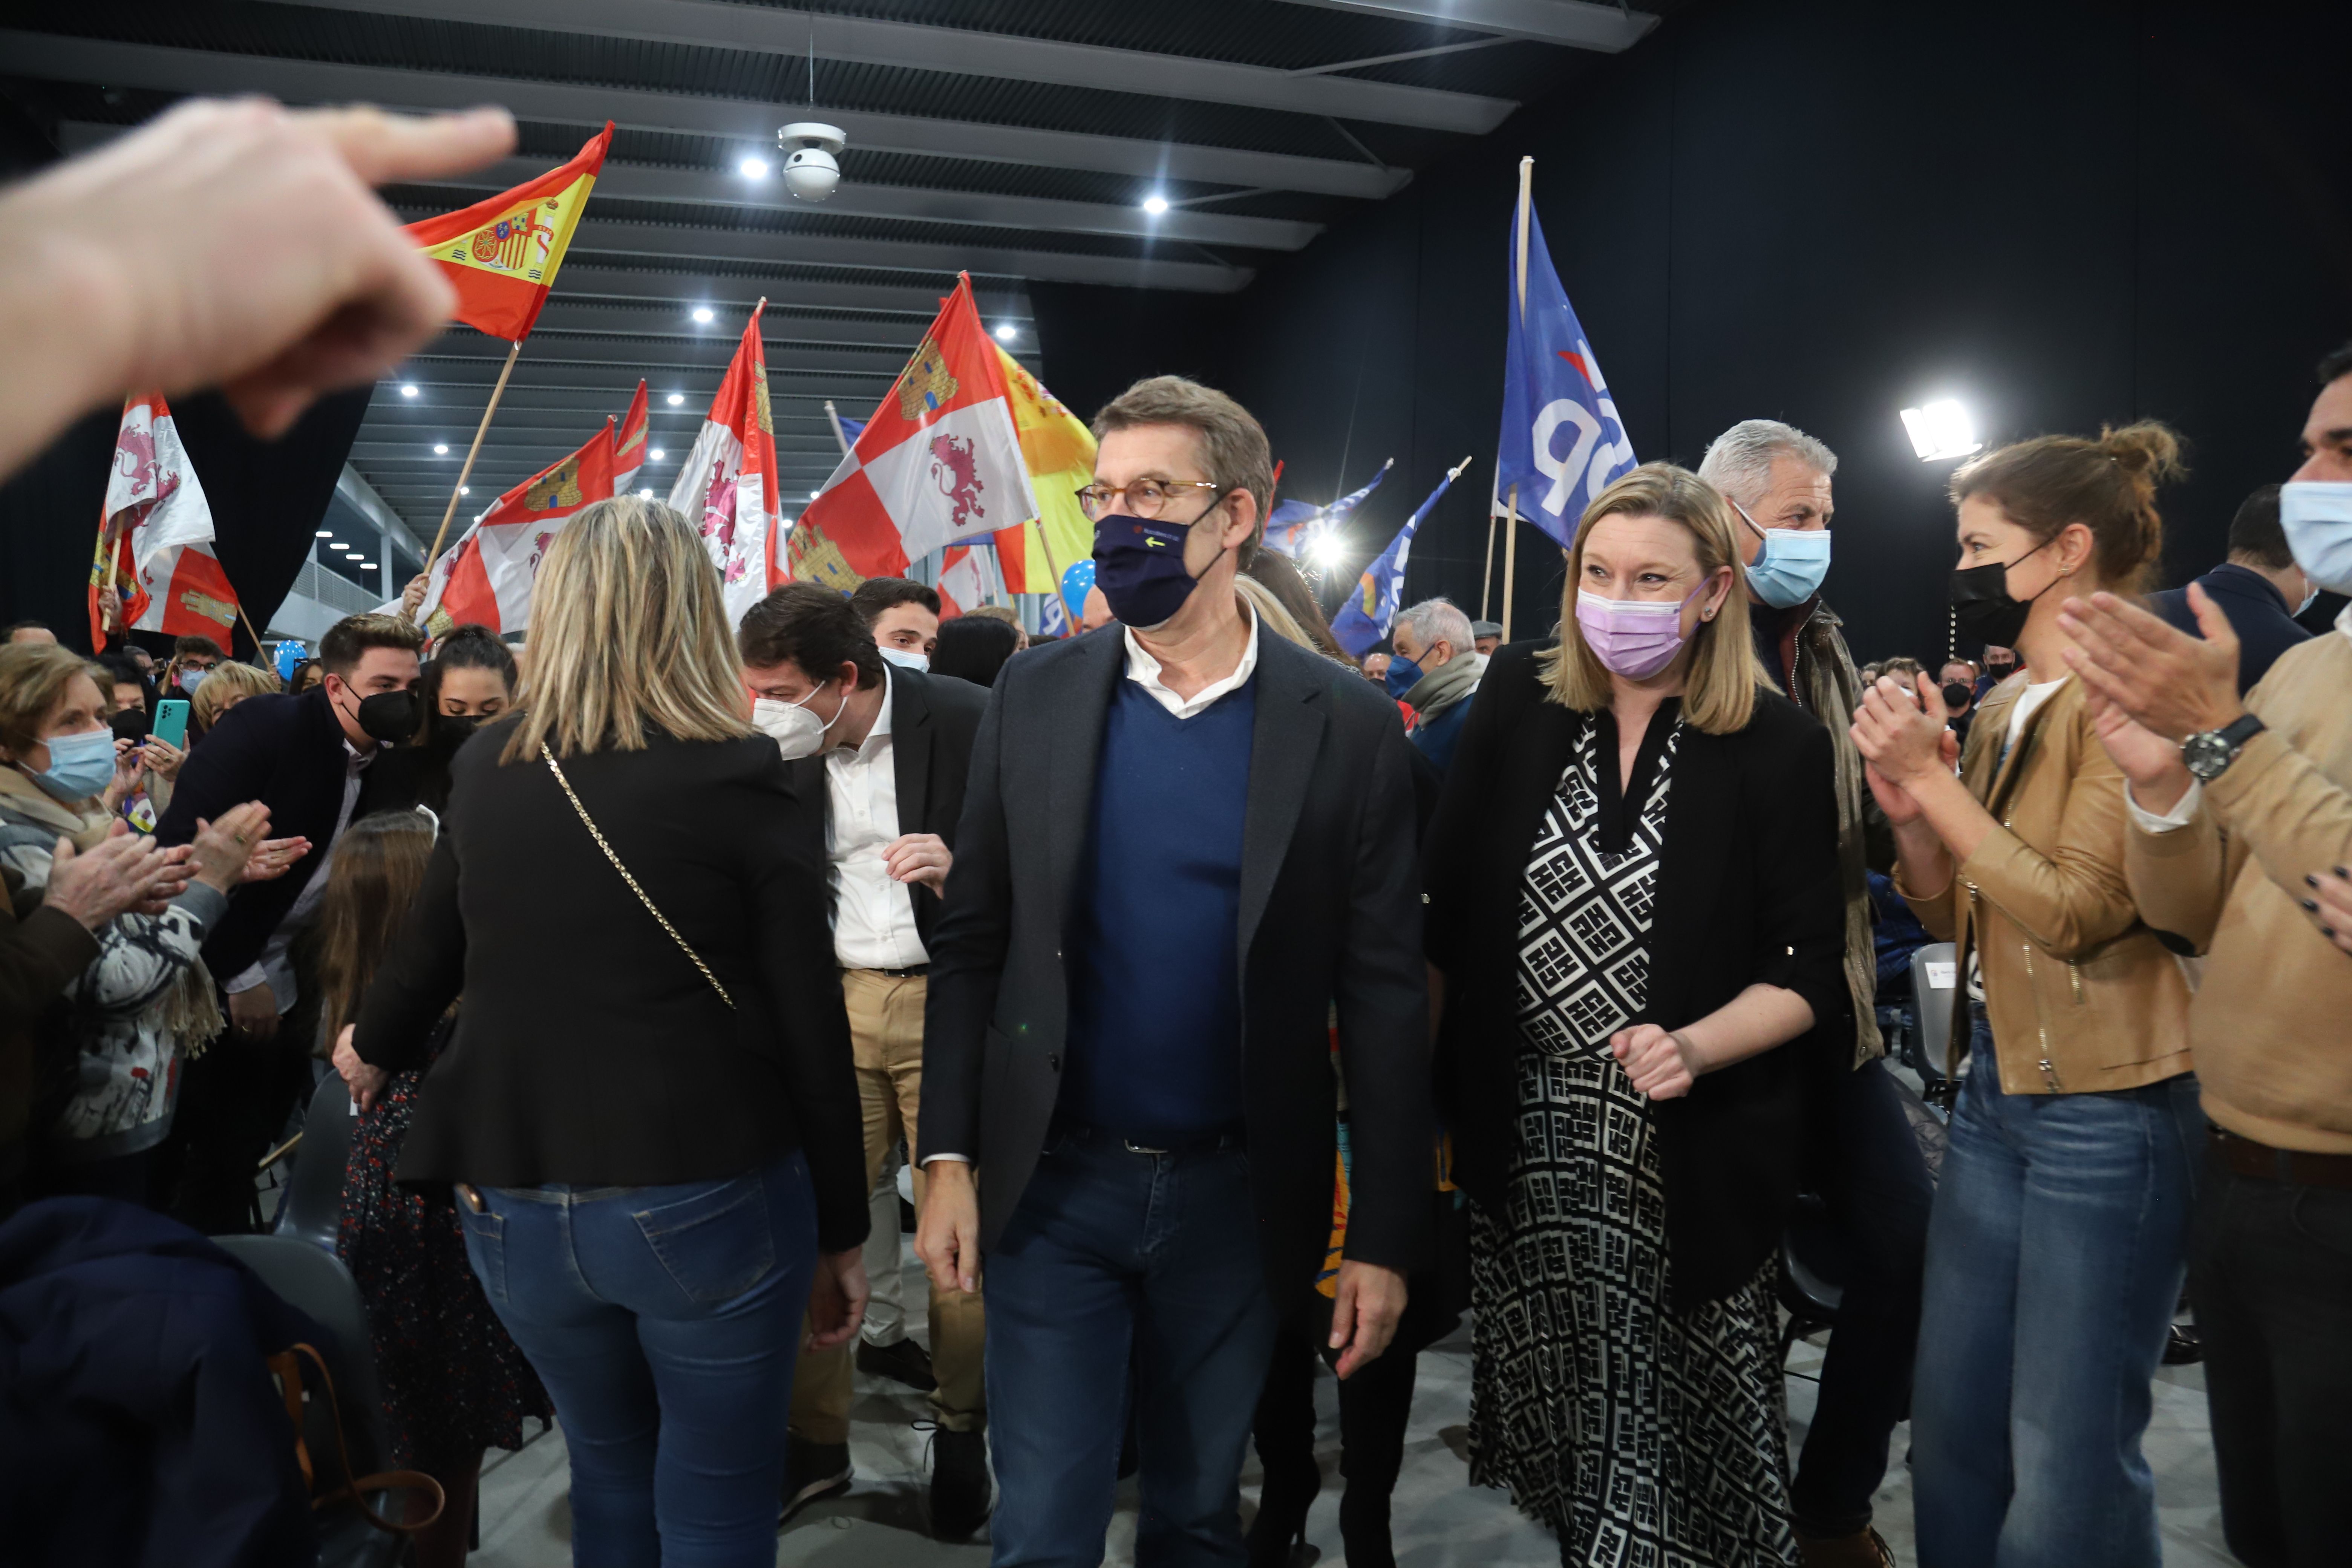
{"type": "Point", "coordinates": [1748, 891]}
{"type": "Point", "coordinates": [590, 1049]}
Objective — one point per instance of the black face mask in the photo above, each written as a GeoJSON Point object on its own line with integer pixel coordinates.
{"type": "Point", "coordinates": [389, 716]}
{"type": "Point", "coordinates": [1981, 607]}
{"type": "Point", "coordinates": [130, 724]}
{"type": "Point", "coordinates": [451, 731]}
{"type": "Point", "coordinates": [1956, 693]}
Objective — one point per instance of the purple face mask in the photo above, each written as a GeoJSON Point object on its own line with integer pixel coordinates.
{"type": "Point", "coordinates": [1632, 638]}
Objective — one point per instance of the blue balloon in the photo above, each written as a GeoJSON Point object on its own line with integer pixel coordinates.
{"type": "Point", "coordinates": [1076, 584]}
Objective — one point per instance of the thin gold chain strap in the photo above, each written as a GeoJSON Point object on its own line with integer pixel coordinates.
{"type": "Point", "coordinates": [590, 822]}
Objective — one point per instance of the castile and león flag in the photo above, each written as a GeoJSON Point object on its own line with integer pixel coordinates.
{"type": "Point", "coordinates": [726, 486]}
{"type": "Point", "coordinates": [156, 536]}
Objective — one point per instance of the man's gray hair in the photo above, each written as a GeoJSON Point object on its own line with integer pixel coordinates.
{"type": "Point", "coordinates": [1738, 462]}
{"type": "Point", "coordinates": [1439, 620]}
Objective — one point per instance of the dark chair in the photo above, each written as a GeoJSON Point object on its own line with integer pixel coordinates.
{"type": "Point", "coordinates": [316, 1282]}
{"type": "Point", "coordinates": [311, 1207]}
{"type": "Point", "coordinates": [1811, 1281]}
{"type": "Point", "coordinates": [1929, 1057]}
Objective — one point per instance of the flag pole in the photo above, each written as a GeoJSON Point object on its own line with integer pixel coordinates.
{"type": "Point", "coordinates": [832, 417]}
{"type": "Point", "coordinates": [480, 431]}
{"type": "Point", "coordinates": [1511, 536]}
{"type": "Point", "coordinates": [248, 629]}
{"type": "Point", "coordinates": [1486, 578]}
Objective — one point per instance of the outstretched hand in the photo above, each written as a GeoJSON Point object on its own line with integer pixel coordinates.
{"type": "Point", "coordinates": [2165, 680]}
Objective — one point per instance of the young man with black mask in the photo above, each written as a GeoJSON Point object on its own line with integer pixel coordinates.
{"type": "Point", "coordinates": [306, 758]}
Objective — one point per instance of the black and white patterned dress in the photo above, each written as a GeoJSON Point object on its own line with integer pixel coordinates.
{"type": "Point", "coordinates": [1643, 1439]}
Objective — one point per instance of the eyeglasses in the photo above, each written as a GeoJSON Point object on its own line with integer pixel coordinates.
{"type": "Point", "coordinates": [1149, 498]}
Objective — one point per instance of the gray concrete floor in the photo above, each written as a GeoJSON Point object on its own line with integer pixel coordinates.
{"type": "Point", "coordinates": [1439, 1520]}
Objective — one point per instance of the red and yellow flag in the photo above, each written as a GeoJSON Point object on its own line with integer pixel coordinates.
{"type": "Point", "coordinates": [1059, 452]}
{"type": "Point", "coordinates": [502, 254]}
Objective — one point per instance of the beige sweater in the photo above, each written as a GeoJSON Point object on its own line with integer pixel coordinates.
{"type": "Point", "coordinates": [2270, 1028]}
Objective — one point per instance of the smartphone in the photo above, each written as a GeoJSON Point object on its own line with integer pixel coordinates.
{"type": "Point", "coordinates": [171, 721]}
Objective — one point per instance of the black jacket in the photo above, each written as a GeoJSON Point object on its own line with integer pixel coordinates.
{"type": "Point", "coordinates": [2258, 613]}
{"type": "Point", "coordinates": [590, 1049]}
{"type": "Point", "coordinates": [1330, 912]}
{"type": "Point", "coordinates": [933, 719]}
{"type": "Point", "coordinates": [287, 754]}
{"type": "Point", "coordinates": [1748, 891]}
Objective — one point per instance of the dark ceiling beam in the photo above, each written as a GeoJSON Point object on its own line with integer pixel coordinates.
{"type": "Point", "coordinates": [583, 276]}
{"type": "Point", "coordinates": [159, 68]}
{"type": "Point", "coordinates": [1574, 24]}
{"type": "Point", "coordinates": [965, 52]}
{"type": "Point", "coordinates": [566, 315]}
{"type": "Point", "coordinates": [644, 356]}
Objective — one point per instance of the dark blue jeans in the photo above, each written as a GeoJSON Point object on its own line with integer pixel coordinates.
{"type": "Point", "coordinates": [665, 1323]}
{"type": "Point", "coordinates": [2054, 1259]}
{"type": "Point", "coordinates": [1113, 1258]}
{"type": "Point", "coordinates": [1876, 1185]}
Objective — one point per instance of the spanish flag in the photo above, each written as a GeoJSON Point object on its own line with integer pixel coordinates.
{"type": "Point", "coordinates": [502, 254]}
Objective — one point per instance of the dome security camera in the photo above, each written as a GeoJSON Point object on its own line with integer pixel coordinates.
{"type": "Point", "coordinates": [810, 172]}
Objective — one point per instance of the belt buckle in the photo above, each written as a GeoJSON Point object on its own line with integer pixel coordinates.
{"type": "Point", "coordinates": [1135, 1148]}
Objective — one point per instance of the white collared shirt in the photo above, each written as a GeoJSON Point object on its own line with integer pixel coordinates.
{"type": "Point", "coordinates": [872, 917]}
{"type": "Point", "coordinates": [1144, 670]}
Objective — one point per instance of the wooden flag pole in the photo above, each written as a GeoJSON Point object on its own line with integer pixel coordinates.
{"type": "Point", "coordinates": [1487, 579]}
{"type": "Point", "coordinates": [1511, 536]}
{"type": "Point", "coordinates": [480, 431]}
{"type": "Point", "coordinates": [248, 629]}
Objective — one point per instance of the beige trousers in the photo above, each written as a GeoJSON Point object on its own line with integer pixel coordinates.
{"type": "Point", "coordinates": [886, 1033]}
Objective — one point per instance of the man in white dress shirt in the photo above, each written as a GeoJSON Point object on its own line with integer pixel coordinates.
{"type": "Point", "coordinates": [889, 747]}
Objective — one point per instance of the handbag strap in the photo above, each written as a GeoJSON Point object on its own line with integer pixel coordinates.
{"type": "Point", "coordinates": [590, 822]}
{"type": "Point", "coordinates": [287, 1365]}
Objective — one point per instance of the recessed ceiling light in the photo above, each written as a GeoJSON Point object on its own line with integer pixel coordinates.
{"type": "Point", "coordinates": [752, 168]}
{"type": "Point", "coordinates": [465, 490]}
{"type": "Point", "coordinates": [1155, 204]}
{"type": "Point", "coordinates": [408, 389]}
{"type": "Point", "coordinates": [813, 495]}
{"type": "Point", "coordinates": [704, 314]}
{"type": "Point", "coordinates": [1006, 332]}
{"type": "Point", "coordinates": [646, 495]}
{"type": "Point", "coordinates": [440, 448]}
{"type": "Point", "coordinates": [656, 454]}
{"type": "Point", "coordinates": [326, 533]}
{"type": "Point", "coordinates": [675, 398]}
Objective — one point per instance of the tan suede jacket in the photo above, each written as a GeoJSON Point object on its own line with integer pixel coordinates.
{"type": "Point", "coordinates": [2083, 995]}
{"type": "Point", "coordinates": [2273, 1020]}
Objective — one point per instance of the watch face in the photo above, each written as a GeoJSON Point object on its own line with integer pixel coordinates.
{"type": "Point", "coordinates": [2205, 754]}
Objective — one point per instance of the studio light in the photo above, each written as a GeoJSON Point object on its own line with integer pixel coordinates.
{"type": "Point", "coordinates": [656, 454]}
{"type": "Point", "coordinates": [1007, 332]}
{"type": "Point", "coordinates": [1941, 430]}
{"type": "Point", "coordinates": [408, 389]}
{"type": "Point", "coordinates": [1330, 551]}
{"type": "Point", "coordinates": [1155, 204]}
{"type": "Point", "coordinates": [675, 398]}
{"type": "Point", "coordinates": [703, 315]}
{"type": "Point", "coordinates": [440, 448]}
{"type": "Point", "coordinates": [752, 168]}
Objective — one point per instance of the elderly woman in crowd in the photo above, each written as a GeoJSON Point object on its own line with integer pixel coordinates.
{"type": "Point", "coordinates": [1635, 916]}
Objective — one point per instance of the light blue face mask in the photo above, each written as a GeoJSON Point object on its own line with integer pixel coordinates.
{"type": "Point", "coordinates": [1788, 569]}
{"type": "Point", "coordinates": [2317, 517]}
{"type": "Point", "coordinates": [80, 765]}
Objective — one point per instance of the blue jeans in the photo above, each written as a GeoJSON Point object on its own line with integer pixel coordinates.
{"type": "Point", "coordinates": [2054, 1259]}
{"type": "Point", "coordinates": [665, 1323]}
{"type": "Point", "coordinates": [1115, 1257]}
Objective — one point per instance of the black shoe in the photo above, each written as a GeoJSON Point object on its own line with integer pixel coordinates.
{"type": "Point", "coordinates": [2185, 1346]}
{"type": "Point", "coordinates": [958, 1484]}
{"type": "Point", "coordinates": [813, 1471]}
{"type": "Point", "coordinates": [1277, 1536]}
{"type": "Point", "coordinates": [906, 1362]}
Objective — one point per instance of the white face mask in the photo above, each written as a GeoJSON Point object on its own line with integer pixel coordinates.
{"type": "Point", "coordinates": [797, 731]}
{"type": "Point", "coordinates": [907, 659]}
{"type": "Point", "coordinates": [2317, 517]}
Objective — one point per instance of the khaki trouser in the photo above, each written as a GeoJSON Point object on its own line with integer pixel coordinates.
{"type": "Point", "coordinates": [886, 1033]}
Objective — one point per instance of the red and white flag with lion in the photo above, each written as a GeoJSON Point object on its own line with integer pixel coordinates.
{"type": "Point", "coordinates": [939, 464]}
{"type": "Point", "coordinates": [726, 486]}
{"type": "Point", "coordinates": [158, 528]}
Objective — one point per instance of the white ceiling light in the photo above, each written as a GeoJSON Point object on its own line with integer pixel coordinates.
{"type": "Point", "coordinates": [704, 315]}
{"type": "Point", "coordinates": [675, 398]}
{"type": "Point", "coordinates": [656, 454]}
{"type": "Point", "coordinates": [328, 534]}
{"type": "Point", "coordinates": [1941, 430]}
{"type": "Point", "coordinates": [646, 495]}
{"type": "Point", "coordinates": [408, 389]}
{"type": "Point", "coordinates": [752, 167]}
{"type": "Point", "coordinates": [1007, 332]}
{"type": "Point", "coordinates": [809, 170]}
{"type": "Point", "coordinates": [440, 448]}
{"type": "Point", "coordinates": [811, 495]}
{"type": "Point", "coordinates": [465, 490]}
{"type": "Point", "coordinates": [1155, 204]}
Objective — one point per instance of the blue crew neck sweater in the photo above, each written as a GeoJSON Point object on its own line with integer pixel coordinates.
{"type": "Point", "coordinates": [1155, 1004]}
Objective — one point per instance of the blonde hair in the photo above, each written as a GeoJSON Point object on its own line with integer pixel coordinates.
{"type": "Point", "coordinates": [33, 681]}
{"type": "Point", "coordinates": [226, 683]}
{"type": "Point", "coordinates": [1719, 690]}
{"type": "Point", "coordinates": [629, 630]}
{"type": "Point", "coordinates": [1271, 616]}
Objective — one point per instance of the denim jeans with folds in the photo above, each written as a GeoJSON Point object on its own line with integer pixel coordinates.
{"type": "Point", "coordinates": [665, 1323]}
{"type": "Point", "coordinates": [2055, 1253]}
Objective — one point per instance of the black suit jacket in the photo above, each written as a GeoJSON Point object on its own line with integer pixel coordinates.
{"type": "Point", "coordinates": [2258, 613]}
{"type": "Point", "coordinates": [933, 719]}
{"type": "Point", "coordinates": [287, 754]}
{"type": "Point", "coordinates": [1748, 891]}
{"type": "Point", "coordinates": [590, 1049]}
{"type": "Point", "coordinates": [1329, 913]}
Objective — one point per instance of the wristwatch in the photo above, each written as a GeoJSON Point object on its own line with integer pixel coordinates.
{"type": "Point", "coordinates": [2208, 752]}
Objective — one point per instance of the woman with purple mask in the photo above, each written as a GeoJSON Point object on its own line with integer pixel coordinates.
{"type": "Point", "coordinates": [1637, 930]}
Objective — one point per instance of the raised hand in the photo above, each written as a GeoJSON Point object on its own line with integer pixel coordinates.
{"type": "Point", "coordinates": [2164, 680]}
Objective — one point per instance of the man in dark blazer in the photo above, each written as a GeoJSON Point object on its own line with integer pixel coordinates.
{"type": "Point", "coordinates": [1184, 843]}
{"type": "Point", "coordinates": [2259, 588]}
{"type": "Point", "coordinates": [305, 758]}
{"type": "Point", "coordinates": [886, 747]}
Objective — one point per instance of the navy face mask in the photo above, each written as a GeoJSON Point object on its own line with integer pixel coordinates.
{"type": "Point", "coordinates": [1402, 676]}
{"type": "Point", "coordinates": [1139, 567]}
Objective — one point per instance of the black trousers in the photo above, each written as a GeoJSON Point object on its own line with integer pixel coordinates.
{"type": "Point", "coordinates": [2270, 1269]}
{"type": "Point", "coordinates": [234, 1101]}
{"type": "Point", "coordinates": [1374, 1405]}
{"type": "Point", "coordinates": [1875, 1183]}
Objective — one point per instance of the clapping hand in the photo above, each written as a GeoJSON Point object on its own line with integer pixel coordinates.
{"type": "Point", "coordinates": [2331, 904]}
{"type": "Point", "coordinates": [2164, 680]}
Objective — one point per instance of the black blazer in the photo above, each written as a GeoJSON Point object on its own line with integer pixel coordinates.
{"type": "Point", "coordinates": [287, 754]}
{"type": "Point", "coordinates": [1330, 912]}
{"type": "Point", "coordinates": [1748, 891]}
{"type": "Point", "coordinates": [589, 1048]}
{"type": "Point", "coordinates": [933, 719]}
{"type": "Point", "coordinates": [2257, 611]}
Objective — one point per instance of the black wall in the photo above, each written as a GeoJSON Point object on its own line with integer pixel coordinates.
{"type": "Point", "coordinates": [1822, 211]}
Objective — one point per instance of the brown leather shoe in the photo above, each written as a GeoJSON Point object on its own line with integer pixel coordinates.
{"type": "Point", "coordinates": [1864, 1549]}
